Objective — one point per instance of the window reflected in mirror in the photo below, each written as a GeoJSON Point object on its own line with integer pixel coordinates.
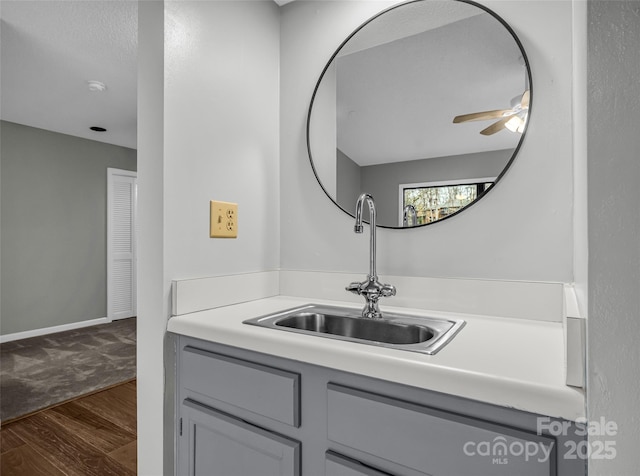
{"type": "Point", "coordinates": [435, 201]}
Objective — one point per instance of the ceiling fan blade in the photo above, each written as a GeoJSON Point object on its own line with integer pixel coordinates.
{"type": "Point", "coordinates": [481, 116]}
{"type": "Point", "coordinates": [495, 127]}
{"type": "Point", "coordinates": [524, 102]}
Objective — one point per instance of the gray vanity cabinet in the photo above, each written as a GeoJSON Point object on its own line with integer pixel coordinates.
{"type": "Point", "coordinates": [249, 414]}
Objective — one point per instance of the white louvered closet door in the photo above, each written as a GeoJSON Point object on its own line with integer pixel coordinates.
{"type": "Point", "coordinates": [121, 243]}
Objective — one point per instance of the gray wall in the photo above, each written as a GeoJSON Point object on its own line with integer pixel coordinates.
{"type": "Point", "coordinates": [53, 222]}
{"type": "Point", "coordinates": [614, 229]}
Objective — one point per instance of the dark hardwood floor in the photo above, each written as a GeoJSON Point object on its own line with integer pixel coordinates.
{"type": "Point", "coordinates": [92, 435]}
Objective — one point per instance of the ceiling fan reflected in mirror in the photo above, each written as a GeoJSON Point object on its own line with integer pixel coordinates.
{"type": "Point", "coordinates": [513, 119]}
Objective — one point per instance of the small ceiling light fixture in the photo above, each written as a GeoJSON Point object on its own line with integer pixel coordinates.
{"type": "Point", "coordinates": [517, 122]}
{"type": "Point", "coordinates": [98, 129]}
{"type": "Point", "coordinates": [96, 86]}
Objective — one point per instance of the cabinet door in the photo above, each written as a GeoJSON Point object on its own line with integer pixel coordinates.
{"type": "Point", "coordinates": [216, 444]}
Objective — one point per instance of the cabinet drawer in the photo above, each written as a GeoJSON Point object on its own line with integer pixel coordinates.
{"type": "Point", "coordinates": [267, 391]}
{"type": "Point", "coordinates": [433, 441]}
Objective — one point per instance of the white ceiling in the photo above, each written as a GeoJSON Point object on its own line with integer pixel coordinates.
{"type": "Point", "coordinates": [411, 19]}
{"type": "Point", "coordinates": [397, 100]}
{"type": "Point", "coordinates": [50, 49]}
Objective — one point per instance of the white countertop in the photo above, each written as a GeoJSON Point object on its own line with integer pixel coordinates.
{"type": "Point", "coordinates": [513, 363]}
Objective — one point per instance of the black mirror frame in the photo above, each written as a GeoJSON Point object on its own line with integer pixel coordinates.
{"type": "Point", "coordinates": [515, 151]}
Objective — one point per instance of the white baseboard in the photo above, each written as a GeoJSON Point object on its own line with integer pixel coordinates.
{"type": "Point", "coordinates": [51, 330]}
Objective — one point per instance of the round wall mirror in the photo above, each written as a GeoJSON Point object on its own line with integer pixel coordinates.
{"type": "Point", "coordinates": [424, 106]}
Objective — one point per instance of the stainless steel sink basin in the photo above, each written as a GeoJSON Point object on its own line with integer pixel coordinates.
{"type": "Point", "coordinates": [397, 331]}
{"type": "Point", "coordinates": [358, 328]}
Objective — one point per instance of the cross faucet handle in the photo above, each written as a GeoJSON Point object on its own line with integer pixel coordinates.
{"type": "Point", "coordinates": [388, 290]}
{"type": "Point", "coordinates": [355, 288]}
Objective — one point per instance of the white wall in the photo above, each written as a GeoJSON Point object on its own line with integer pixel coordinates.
{"type": "Point", "coordinates": [221, 134]}
{"type": "Point", "coordinates": [323, 133]}
{"type": "Point", "coordinates": [212, 133]}
{"type": "Point", "coordinates": [153, 305]}
{"type": "Point", "coordinates": [522, 230]}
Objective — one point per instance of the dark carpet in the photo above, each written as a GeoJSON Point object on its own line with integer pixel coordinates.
{"type": "Point", "coordinates": [39, 372]}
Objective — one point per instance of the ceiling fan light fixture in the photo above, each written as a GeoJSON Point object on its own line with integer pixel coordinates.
{"type": "Point", "coordinates": [514, 119]}
{"type": "Point", "coordinates": [524, 123]}
{"type": "Point", "coordinates": [515, 124]}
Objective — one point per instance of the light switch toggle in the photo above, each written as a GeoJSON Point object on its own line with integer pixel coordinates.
{"type": "Point", "coordinates": [223, 221]}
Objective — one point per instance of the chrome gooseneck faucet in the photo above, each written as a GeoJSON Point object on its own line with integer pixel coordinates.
{"type": "Point", "coordinates": [371, 288]}
{"type": "Point", "coordinates": [409, 211]}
